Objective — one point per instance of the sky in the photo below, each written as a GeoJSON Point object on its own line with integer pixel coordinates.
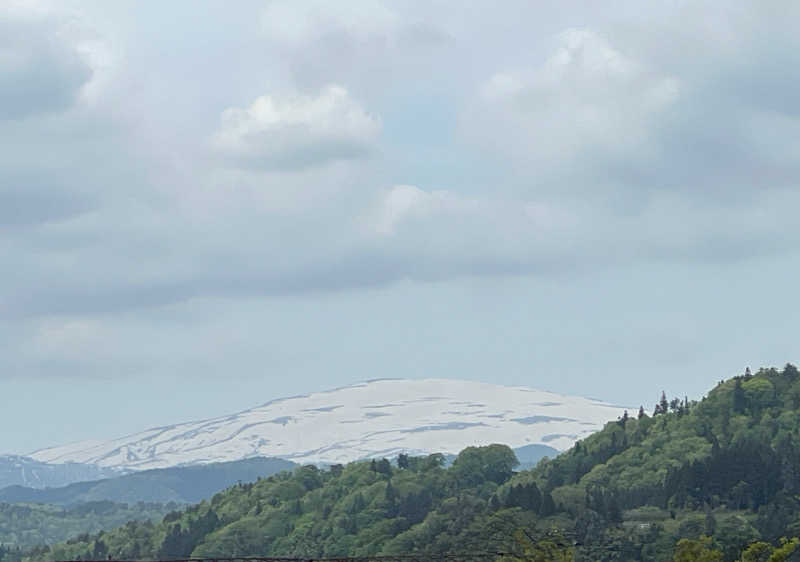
{"type": "Point", "coordinates": [206, 205]}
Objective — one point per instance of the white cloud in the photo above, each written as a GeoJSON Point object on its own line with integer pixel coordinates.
{"type": "Point", "coordinates": [587, 100]}
{"type": "Point", "coordinates": [292, 132]}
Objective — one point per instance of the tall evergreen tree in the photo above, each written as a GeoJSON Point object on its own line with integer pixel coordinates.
{"type": "Point", "coordinates": [663, 403]}
{"type": "Point", "coordinates": [390, 497]}
{"type": "Point", "coordinates": [738, 397]}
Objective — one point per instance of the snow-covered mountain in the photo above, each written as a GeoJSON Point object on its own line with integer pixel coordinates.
{"type": "Point", "coordinates": [377, 418]}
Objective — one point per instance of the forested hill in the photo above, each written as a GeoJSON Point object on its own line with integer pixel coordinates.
{"type": "Point", "coordinates": [727, 466]}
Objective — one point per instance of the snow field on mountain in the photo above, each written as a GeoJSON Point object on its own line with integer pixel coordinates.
{"type": "Point", "coordinates": [371, 419]}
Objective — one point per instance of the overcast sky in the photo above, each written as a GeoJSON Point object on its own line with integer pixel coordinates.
{"type": "Point", "coordinates": [208, 205]}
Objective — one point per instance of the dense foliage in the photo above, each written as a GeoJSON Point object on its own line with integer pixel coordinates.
{"type": "Point", "coordinates": [361, 508]}
{"type": "Point", "coordinates": [30, 525]}
{"type": "Point", "coordinates": [717, 479]}
{"type": "Point", "coordinates": [727, 467]}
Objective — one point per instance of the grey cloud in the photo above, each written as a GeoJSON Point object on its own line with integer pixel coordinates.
{"type": "Point", "coordinates": [724, 133]}
{"type": "Point", "coordinates": [435, 238]}
{"type": "Point", "coordinates": [304, 153]}
{"type": "Point", "coordinates": [29, 199]}
{"type": "Point", "coordinates": [376, 49]}
{"type": "Point", "coordinates": [40, 68]}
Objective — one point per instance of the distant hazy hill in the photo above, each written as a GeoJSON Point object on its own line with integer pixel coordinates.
{"type": "Point", "coordinates": [381, 418]}
{"type": "Point", "coordinates": [24, 471]}
{"type": "Point", "coordinates": [530, 455]}
{"type": "Point", "coordinates": [180, 484]}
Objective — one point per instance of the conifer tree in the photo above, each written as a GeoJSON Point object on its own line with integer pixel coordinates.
{"type": "Point", "coordinates": [390, 496]}
{"type": "Point", "coordinates": [548, 506]}
{"type": "Point", "coordinates": [402, 461]}
{"type": "Point", "coordinates": [738, 396]}
{"type": "Point", "coordinates": [664, 405]}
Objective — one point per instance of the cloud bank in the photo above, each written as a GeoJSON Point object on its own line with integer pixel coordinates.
{"type": "Point", "coordinates": [273, 155]}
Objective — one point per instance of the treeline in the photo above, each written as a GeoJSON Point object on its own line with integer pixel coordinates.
{"type": "Point", "coordinates": [358, 509]}
{"type": "Point", "coordinates": [738, 449]}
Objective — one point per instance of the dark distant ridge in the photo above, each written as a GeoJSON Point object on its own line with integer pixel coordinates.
{"type": "Point", "coordinates": [189, 484]}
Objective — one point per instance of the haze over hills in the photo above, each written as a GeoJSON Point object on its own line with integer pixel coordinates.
{"type": "Point", "coordinates": [17, 470]}
{"type": "Point", "coordinates": [379, 418]}
{"type": "Point", "coordinates": [186, 484]}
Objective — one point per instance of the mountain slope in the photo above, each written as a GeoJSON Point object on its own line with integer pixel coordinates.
{"type": "Point", "coordinates": [188, 484]}
{"type": "Point", "coordinates": [371, 419]}
{"type": "Point", "coordinates": [16, 470]}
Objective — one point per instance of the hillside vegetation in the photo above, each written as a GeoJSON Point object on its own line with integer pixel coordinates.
{"type": "Point", "coordinates": [31, 517]}
{"type": "Point", "coordinates": [29, 525]}
{"type": "Point", "coordinates": [693, 481]}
